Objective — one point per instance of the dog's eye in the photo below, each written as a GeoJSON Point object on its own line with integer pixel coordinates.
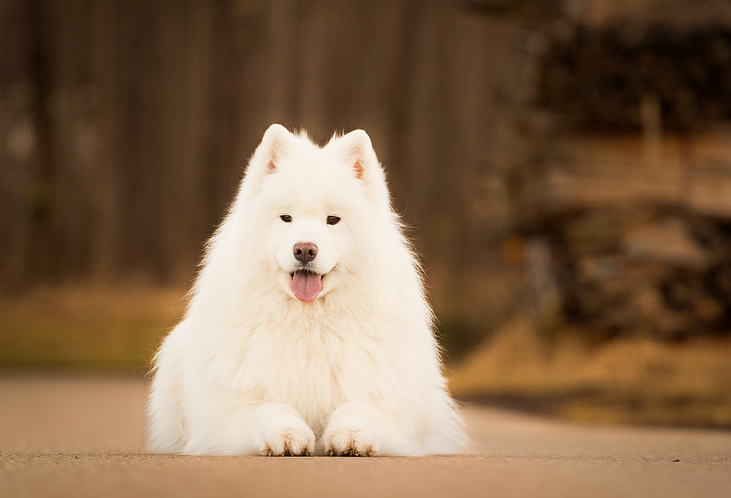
{"type": "Point", "coordinates": [333, 220]}
{"type": "Point", "coordinates": [286, 218]}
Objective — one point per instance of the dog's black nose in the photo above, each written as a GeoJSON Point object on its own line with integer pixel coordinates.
{"type": "Point", "coordinates": [305, 251]}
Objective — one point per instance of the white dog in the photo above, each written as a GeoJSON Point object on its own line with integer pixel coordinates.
{"type": "Point", "coordinates": [307, 329]}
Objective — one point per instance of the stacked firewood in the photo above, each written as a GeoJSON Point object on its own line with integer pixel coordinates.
{"type": "Point", "coordinates": [659, 274]}
{"type": "Point", "coordinates": [634, 192]}
{"type": "Point", "coordinates": [602, 75]}
{"type": "Point", "coordinates": [639, 232]}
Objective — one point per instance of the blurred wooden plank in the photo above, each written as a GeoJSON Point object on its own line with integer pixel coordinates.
{"type": "Point", "coordinates": [598, 171]}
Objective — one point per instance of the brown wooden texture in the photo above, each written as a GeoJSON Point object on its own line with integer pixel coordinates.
{"type": "Point", "coordinates": [126, 125]}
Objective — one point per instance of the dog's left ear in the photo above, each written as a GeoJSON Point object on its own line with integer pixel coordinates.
{"type": "Point", "coordinates": [359, 155]}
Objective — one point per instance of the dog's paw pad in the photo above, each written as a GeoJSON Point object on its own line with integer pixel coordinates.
{"type": "Point", "coordinates": [350, 442]}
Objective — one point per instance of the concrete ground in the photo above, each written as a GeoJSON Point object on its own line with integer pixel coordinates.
{"type": "Point", "coordinates": [81, 436]}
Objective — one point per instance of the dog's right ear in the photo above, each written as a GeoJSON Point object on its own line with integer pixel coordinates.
{"type": "Point", "coordinates": [276, 144]}
{"type": "Point", "coordinates": [273, 147]}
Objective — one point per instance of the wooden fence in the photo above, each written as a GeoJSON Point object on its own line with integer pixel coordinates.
{"type": "Point", "coordinates": [125, 126]}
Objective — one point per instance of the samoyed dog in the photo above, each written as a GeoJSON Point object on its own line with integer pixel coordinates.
{"type": "Point", "coordinates": [307, 330]}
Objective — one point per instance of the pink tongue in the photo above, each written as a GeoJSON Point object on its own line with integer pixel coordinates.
{"type": "Point", "coordinates": [306, 286]}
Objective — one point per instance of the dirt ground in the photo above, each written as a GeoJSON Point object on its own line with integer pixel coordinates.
{"type": "Point", "coordinates": [81, 436]}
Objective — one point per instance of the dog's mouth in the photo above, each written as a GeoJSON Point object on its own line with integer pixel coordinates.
{"type": "Point", "coordinates": [306, 285]}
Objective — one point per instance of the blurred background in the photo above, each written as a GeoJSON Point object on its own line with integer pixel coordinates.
{"type": "Point", "coordinates": [564, 167]}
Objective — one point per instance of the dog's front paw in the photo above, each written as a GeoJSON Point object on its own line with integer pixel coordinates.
{"type": "Point", "coordinates": [290, 437]}
{"type": "Point", "coordinates": [349, 441]}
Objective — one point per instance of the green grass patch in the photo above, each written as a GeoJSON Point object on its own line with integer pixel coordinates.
{"type": "Point", "coordinates": [88, 328]}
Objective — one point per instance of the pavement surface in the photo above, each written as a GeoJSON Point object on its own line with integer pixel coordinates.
{"type": "Point", "coordinates": [82, 436]}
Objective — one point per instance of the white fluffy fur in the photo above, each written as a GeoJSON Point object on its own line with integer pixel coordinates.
{"type": "Point", "coordinates": [252, 370]}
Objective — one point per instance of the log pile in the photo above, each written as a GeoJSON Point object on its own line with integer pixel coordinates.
{"type": "Point", "coordinates": [633, 193]}
{"type": "Point", "coordinates": [639, 232]}
{"type": "Point", "coordinates": [601, 76]}
{"type": "Point", "coordinates": [658, 274]}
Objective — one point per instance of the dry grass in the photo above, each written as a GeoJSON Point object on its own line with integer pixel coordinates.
{"type": "Point", "coordinates": [637, 381]}
{"type": "Point", "coordinates": [86, 327]}
{"type": "Point", "coordinates": [625, 381]}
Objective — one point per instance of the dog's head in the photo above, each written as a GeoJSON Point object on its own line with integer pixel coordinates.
{"type": "Point", "coordinates": [314, 208]}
